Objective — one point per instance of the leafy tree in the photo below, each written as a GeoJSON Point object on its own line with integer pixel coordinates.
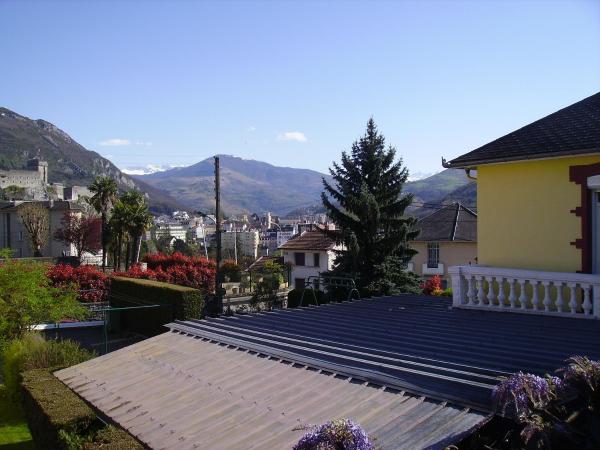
{"type": "Point", "coordinates": [84, 233]}
{"type": "Point", "coordinates": [13, 192]}
{"type": "Point", "coordinates": [104, 190]}
{"type": "Point", "coordinates": [27, 298]}
{"type": "Point", "coordinates": [366, 201]}
{"type": "Point", "coordinates": [35, 218]}
{"type": "Point", "coordinates": [270, 278]}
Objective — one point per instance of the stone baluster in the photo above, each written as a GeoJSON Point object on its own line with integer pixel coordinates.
{"type": "Point", "coordinates": [573, 297]}
{"type": "Point", "coordinates": [512, 296]}
{"type": "Point", "coordinates": [523, 294]}
{"type": "Point", "coordinates": [471, 291]}
{"type": "Point", "coordinates": [535, 295]}
{"type": "Point", "coordinates": [587, 302]}
{"type": "Point", "coordinates": [491, 292]}
{"type": "Point", "coordinates": [560, 301]}
{"type": "Point", "coordinates": [547, 298]}
{"type": "Point", "coordinates": [501, 293]}
{"type": "Point", "coordinates": [480, 291]}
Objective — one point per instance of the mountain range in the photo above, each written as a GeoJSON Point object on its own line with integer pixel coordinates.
{"type": "Point", "coordinates": [246, 185]}
{"type": "Point", "coordinates": [22, 138]}
{"type": "Point", "coordinates": [255, 186]}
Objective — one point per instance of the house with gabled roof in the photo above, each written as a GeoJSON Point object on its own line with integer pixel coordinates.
{"type": "Point", "coordinates": [538, 205]}
{"type": "Point", "coordinates": [447, 237]}
{"type": "Point", "coordinates": [309, 254]}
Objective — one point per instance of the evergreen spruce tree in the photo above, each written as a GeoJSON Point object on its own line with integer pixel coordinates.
{"type": "Point", "coordinates": [366, 201]}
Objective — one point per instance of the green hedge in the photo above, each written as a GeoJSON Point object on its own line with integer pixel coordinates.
{"type": "Point", "coordinates": [57, 417]}
{"type": "Point", "coordinates": [295, 295]}
{"type": "Point", "coordinates": [176, 302]}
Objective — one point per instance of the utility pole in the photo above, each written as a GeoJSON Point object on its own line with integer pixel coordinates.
{"type": "Point", "coordinates": [218, 289]}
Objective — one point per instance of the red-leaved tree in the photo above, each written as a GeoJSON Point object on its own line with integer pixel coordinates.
{"type": "Point", "coordinates": [84, 233]}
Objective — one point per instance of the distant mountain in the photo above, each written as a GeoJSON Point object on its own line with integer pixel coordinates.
{"type": "Point", "coordinates": [70, 163]}
{"type": "Point", "coordinates": [147, 169]}
{"type": "Point", "coordinates": [246, 186]}
{"type": "Point", "coordinates": [254, 186]}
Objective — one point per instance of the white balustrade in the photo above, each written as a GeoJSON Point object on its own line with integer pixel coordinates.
{"type": "Point", "coordinates": [526, 291]}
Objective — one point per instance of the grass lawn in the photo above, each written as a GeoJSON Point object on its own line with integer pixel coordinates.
{"type": "Point", "coordinates": [14, 433]}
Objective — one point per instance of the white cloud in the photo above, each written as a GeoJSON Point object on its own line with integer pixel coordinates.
{"type": "Point", "coordinates": [116, 142]}
{"type": "Point", "coordinates": [292, 136]}
{"type": "Point", "coordinates": [251, 129]}
{"type": "Point", "coordinates": [145, 143]}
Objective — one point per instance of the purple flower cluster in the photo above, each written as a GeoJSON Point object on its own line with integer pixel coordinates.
{"type": "Point", "coordinates": [582, 370]}
{"type": "Point", "coordinates": [335, 435]}
{"type": "Point", "coordinates": [520, 392]}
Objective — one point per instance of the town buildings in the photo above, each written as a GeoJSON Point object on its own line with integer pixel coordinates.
{"type": "Point", "coordinates": [240, 243]}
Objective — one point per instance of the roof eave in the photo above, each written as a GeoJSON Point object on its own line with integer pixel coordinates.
{"type": "Point", "coordinates": [471, 164]}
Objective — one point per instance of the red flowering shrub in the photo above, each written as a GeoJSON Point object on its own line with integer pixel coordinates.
{"type": "Point", "coordinates": [92, 284]}
{"type": "Point", "coordinates": [178, 269]}
{"type": "Point", "coordinates": [433, 286]}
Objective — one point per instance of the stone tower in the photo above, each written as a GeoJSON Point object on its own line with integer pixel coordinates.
{"type": "Point", "coordinates": [40, 166]}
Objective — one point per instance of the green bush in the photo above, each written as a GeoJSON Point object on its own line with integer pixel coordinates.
{"type": "Point", "coordinates": [447, 292]}
{"type": "Point", "coordinates": [27, 298]}
{"type": "Point", "coordinates": [59, 419]}
{"type": "Point", "coordinates": [176, 303]}
{"type": "Point", "coordinates": [295, 295]}
{"type": "Point", "coordinates": [33, 352]}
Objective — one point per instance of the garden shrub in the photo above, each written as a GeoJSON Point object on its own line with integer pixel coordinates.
{"type": "Point", "coordinates": [91, 284]}
{"type": "Point", "coordinates": [232, 270]}
{"type": "Point", "coordinates": [194, 272]}
{"type": "Point", "coordinates": [27, 298]}
{"type": "Point", "coordinates": [34, 352]}
{"type": "Point", "coordinates": [338, 434]}
{"type": "Point", "coordinates": [433, 286]}
{"type": "Point", "coordinates": [545, 412]}
{"type": "Point", "coordinates": [59, 419]}
{"type": "Point", "coordinates": [176, 303]}
{"type": "Point", "coordinates": [295, 295]}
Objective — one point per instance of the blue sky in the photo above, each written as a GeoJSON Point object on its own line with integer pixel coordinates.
{"type": "Point", "coordinates": [293, 83]}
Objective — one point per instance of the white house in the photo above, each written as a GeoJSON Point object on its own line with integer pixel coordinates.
{"type": "Point", "coordinates": [309, 254]}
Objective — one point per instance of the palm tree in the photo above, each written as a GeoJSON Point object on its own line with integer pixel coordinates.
{"type": "Point", "coordinates": [132, 219]}
{"type": "Point", "coordinates": [104, 190]}
{"type": "Point", "coordinates": [140, 221]}
{"type": "Point", "coordinates": [118, 226]}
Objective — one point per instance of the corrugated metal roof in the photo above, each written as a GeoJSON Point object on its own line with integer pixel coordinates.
{"type": "Point", "coordinates": [178, 391]}
{"type": "Point", "coordinates": [416, 343]}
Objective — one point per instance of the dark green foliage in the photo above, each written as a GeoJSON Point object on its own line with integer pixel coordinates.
{"type": "Point", "coordinates": [392, 278]}
{"type": "Point", "coordinates": [59, 419]}
{"type": "Point", "coordinates": [34, 352]}
{"type": "Point", "coordinates": [366, 200]}
{"type": "Point", "coordinates": [295, 295]}
{"type": "Point", "coordinates": [176, 302]}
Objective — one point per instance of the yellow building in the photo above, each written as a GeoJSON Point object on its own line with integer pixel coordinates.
{"type": "Point", "coordinates": [447, 237]}
{"type": "Point", "coordinates": [538, 205]}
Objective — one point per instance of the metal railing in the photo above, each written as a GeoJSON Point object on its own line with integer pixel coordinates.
{"type": "Point", "coordinates": [314, 282]}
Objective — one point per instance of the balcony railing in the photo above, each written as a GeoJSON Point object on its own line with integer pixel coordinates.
{"type": "Point", "coordinates": [526, 291]}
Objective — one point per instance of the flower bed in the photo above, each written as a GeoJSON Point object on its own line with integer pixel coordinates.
{"type": "Point", "coordinates": [92, 285]}
{"type": "Point", "coordinates": [198, 273]}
